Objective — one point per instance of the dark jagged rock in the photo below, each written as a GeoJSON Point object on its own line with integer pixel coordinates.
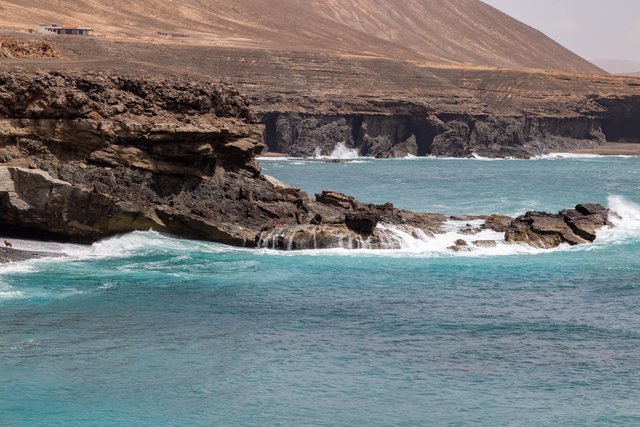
{"type": "Point", "coordinates": [586, 220]}
{"type": "Point", "coordinates": [573, 226]}
{"type": "Point", "coordinates": [499, 223]}
{"type": "Point", "coordinates": [85, 156]}
{"type": "Point", "coordinates": [333, 198]}
{"type": "Point", "coordinates": [362, 221]}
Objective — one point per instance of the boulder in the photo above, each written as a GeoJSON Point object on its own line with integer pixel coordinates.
{"type": "Point", "coordinates": [499, 223]}
{"type": "Point", "coordinates": [362, 221]}
{"type": "Point", "coordinates": [572, 226]}
{"type": "Point", "coordinates": [485, 243]}
{"type": "Point", "coordinates": [586, 220]}
{"type": "Point", "coordinates": [334, 198]}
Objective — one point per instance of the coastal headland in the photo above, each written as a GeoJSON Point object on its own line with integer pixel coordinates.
{"type": "Point", "coordinates": [90, 155]}
{"type": "Point", "coordinates": [132, 129]}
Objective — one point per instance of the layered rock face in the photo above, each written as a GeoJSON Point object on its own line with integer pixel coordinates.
{"type": "Point", "coordinates": [87, 156]}
{"type": "Point", "coordinates": [429, 133]}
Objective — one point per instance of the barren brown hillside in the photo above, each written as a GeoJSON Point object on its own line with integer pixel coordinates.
{"type": "Point", "coordinates": [388, 77]}
{"type": "Point", "coordinates": [422, 31]}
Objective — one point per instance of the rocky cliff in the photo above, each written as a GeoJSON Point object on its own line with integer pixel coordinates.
{"type": "Point", "coordinates": [456, 113]}
{"type": "Point", "coordinates": [430, 133]}
{"type": "Point", "coordinates": [86, 156]}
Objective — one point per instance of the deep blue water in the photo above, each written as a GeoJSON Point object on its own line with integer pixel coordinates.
{"type": "Point", "coordinates": [147, 330]}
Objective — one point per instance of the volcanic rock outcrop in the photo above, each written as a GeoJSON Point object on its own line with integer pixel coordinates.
{"type": "Point", "coordinates": [87, 156]}
{"type": "Point", "coordinates": [571, 226]}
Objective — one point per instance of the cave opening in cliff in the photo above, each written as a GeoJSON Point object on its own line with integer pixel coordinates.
{"type": "Point", "coordinates": [622, 121]}
{"type": "Point", "coordinates": [424, 132]}
{"type": "Point", "coordinates": [622, 129]}
{"type": "Point", "coordinates": [271, 132]}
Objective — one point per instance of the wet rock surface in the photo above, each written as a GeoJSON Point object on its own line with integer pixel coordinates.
{"type": "Point", "coordinates": [572, 226]}
{"type": "Point", "coordinates": [16, 255]}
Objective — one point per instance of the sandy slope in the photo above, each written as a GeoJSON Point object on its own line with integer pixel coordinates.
{"type": "Point", "coordinates": [450, 32]}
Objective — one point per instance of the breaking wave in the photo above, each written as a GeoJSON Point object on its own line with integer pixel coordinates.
{"type": "Point", "coordinates": [400, 241]}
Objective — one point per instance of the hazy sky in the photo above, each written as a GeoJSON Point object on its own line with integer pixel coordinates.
{"type": "Point", "coordinates": [594, 29]}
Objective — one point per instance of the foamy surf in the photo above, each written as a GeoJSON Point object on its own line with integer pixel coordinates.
{"type": "Point", "coordinates": [411, 242]}
{"type": "Point", "coordinates": [143, 243]}
{"type": "Point", "coordinates": [625, 217]}
{"type": "Point", "coordinates": [8, 292]}
{"type": "Point", "coordinates": [571, 156]}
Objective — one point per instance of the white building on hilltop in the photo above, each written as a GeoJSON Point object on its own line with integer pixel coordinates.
{"type": "Point", "coordinates": [56, 29]}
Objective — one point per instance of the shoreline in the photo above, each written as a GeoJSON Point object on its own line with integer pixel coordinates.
{"type": "Point", "coordinates": [8, 255]}
{"type": "Point", "coordinates": [607, 149]}
{"type": "Point", "coordinates": [612, 149]}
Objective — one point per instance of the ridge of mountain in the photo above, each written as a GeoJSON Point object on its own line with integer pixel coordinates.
{"type": "Point", "coordinates": [456, 32]}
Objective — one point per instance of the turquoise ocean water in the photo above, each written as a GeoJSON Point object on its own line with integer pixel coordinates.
{"type": "Point", "coordinates": [147, 330]}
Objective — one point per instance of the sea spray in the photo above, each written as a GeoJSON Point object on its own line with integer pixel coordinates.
{"type": "Point", "coordinates": [341, 151]}
{"type": "Point", "coordinates": [396, 240]}
{"type": "Point", "coordinates": [625, 217]}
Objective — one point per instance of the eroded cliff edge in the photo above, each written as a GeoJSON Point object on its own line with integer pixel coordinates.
{"type": "Point", "coordinates": [494, 114]}
{"type": "Point", "coordinates": [84, 156]}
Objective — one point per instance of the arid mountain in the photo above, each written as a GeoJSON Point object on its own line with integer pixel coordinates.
{"type": "Point", "coordinates": [388, 77]}
{"type": "Point", "coordinates": [453, 32]}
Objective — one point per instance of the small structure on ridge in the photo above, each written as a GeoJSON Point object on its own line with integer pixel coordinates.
{"type": "Point", "coordinates": [56, 29]}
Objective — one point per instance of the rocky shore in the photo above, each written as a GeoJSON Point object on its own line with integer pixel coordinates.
{"type": "Point", "coordinates": [15, 255]}
{"type": "Point", "coordinates": [428, 132]}
{"type": "Point", "coordinates": [87, 156]}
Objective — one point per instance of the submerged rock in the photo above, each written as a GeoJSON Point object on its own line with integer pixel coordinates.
{"type": "Point", "coordinates": [485, 243]}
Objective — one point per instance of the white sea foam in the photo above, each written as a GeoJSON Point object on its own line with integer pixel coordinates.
{"type": "Point", "coordinates": [489, 159]}
{"type": "Point", "coordinates": [342, 152]}
{"type": "Point", "coordinates": [137, 243]}
{"type": "Point", "coordinates": [403, 241]}
{"type": "Point", "coordinates": [441, 244]}
{"type": "Point", "coordinates": [278, 159]}
{"type": "Point", "coordinates": [570, 156]}
{"type": "Point", "coordinates": [6, 290]}
{"type": "Point", "coordinates": [140, 243]}
{"type": "Point", "coordinates": [9, 292]}
{"type": "Point", "coordinates": [625, 217]}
